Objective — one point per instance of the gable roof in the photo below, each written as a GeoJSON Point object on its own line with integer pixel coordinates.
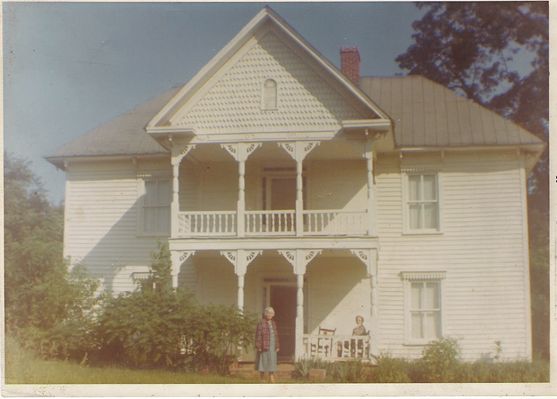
{"type": "Point", "coordinates": [427, 114]}
{"type": "Point", "coordinates": [123, 135]}
{"type": "Point", "coordinates": [264, 17]}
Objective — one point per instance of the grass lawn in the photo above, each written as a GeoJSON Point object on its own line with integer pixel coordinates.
{"type": "Point", "coordinates": [23, 368]}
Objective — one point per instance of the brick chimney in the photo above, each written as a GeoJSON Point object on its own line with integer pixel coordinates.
{"type": "Point", "coordinates": [350, 63]}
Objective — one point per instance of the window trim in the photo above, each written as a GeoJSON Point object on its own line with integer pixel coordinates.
{"type": "Point", "coordinates": [424, 277]}
{"type": "Point", "coordinates": [264, 106]}
{"type": "Point", "coordinates": [141, 191]}
{"type": "Point", "coordinates": [405, 175]}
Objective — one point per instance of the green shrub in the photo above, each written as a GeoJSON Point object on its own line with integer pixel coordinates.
{"type": "Point", "coordinates": [303, 366]}
{"type": "Point", "coordinates": [438, 362]}
{"type": "Point", "coordinates": [389, 369]}
{"type": "Point", "coordinates": [348, 371]}
{"type": "Point", "coordinates": [163, 328]}
{"type": "Point", "coordinates": [69, 335]}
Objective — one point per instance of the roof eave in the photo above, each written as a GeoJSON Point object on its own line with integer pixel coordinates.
{"type": "Point", "coordinates": [62, 161]}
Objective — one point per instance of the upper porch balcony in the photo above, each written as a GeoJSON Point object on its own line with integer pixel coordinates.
{"type": "Point", "coordinates": [278, 222]}
{"type": "Point", "coordinates": [290, 189]}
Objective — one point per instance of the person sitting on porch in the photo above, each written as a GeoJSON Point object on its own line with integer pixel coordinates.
{"type": "Point", "coordinates": [267, 345]}
{"type": "Point", "coordinates": [352, 346]}
{"type": "Point", "coordinates": [359, 329]}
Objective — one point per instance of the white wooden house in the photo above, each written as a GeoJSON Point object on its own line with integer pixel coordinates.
{"type": "Point", "coordinates": [278, 179]}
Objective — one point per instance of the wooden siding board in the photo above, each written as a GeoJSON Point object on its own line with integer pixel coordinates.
{"type": "Point", "coordinates": [480, 248]}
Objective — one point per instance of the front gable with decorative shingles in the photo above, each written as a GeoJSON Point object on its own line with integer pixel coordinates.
{"type": "Point", "coordinates": [306, 101]}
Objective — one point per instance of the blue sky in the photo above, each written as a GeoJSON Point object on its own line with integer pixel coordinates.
{"type": "Point", "coordinates": [69, 67]}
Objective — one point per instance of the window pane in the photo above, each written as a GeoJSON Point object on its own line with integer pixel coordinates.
{"type": "Point", "coordinates": [270, 94]}
{"type": "Point", "coordinates": [149, 220]}
{"type": "Point", "coordinates": [432, 325]}
{"type": "Point", "coordinates": [430, 216]}
{"type": "Point", "coordinates": [156, 202]}
{"type": "Point", "coordinates": [415, 216]}
{"type": "Point", "coordinates": [417, 330]}
{"type": "Point", "coordinates": [164, 193]}
{"type": "Point", "coordinates": [150, 193]}
{"type": "Point", "coordinates": [414, 188]}
{"type": "Point", "coordinates": [430, 188]}
{"type": "Point", "coordinates": [416, 296]}
{"type": "Point", "coordinates": [431, 295]}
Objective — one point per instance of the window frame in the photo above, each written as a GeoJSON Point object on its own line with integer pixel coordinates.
{"type": "Point", "coordinates": [424, 278]}
{"type": "Point", "coordinates": [264, 105]}
{"type": "Point", "coordinates": [406, 229]}
{"type": "Point", "coordinates": [142, 191]}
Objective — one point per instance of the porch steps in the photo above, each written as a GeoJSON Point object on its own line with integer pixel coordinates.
{"type": "Point", "coordinates": [247, 370]}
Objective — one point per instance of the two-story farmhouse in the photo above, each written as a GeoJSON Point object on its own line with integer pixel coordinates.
{"type": "Point", "coordinates": [278, 179]}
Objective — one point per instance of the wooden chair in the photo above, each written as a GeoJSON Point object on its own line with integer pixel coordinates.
{"type": "Point", "coordinates": [325, 344]}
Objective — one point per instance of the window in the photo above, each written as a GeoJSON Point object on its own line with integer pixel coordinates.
{"type": "Point", "coordinates": [269, 97]}
{"type": "Point", "coordinates": [422, 203]}
{"type": "Point", "coordinates": [155, 214]}
{"type": "Point", "coordinates": [423, 307]}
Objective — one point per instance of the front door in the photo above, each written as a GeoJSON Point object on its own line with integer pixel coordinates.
{"type": "Point", "coordinates": [283, 300]}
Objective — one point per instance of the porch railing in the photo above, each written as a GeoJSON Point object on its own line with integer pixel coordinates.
{"type": "Point", "coordinates": [333, 222]}
{"type": "Point", "coordinates": [267, 223]}
{"type": "Point", "coordinates": [217, 223]}
{"type": "Point", "coordinates": [335, 347]}
{"type": "Point", "coordinates": [272, 223]}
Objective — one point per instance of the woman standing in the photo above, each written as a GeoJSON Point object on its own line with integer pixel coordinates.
{"type": "Point", "coordinates": [267, 345]}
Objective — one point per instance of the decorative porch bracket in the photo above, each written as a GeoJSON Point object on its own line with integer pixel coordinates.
{"type": "Point", "coordinates": [178, 258]}
{"type": "Point", "coordinates": [177, 154]}
{"type": "Point", "coordinates": [369, 258]}
{"type": "Point", "coordinates": [298, 151]}
{"type": "Point", "coordinates": [299, 259]}
{"type": "Point", "coordinates": [240, 152]}
{"type": "Point", "coordinates": [240, 259]}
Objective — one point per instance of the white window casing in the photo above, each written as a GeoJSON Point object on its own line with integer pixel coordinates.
{"type": "Point", "coordinates": [155, 194]}
{"type": "Point", "coordinates": [269, 95]}
{"type": "Point", "coordinates": [423, 307]}
{"type": "Point", "coordinates": [421, 202]}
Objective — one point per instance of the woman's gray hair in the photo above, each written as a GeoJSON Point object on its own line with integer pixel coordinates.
{"type": "Point", "coordinates": [269, 310]}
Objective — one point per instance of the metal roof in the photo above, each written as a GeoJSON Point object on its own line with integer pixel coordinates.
{"type": "Point", "coordinates": [424, 113]}
{"type": "Point", "coordinates": [123, 135]}
{"type": "Point", "coordinates": [427, 114]}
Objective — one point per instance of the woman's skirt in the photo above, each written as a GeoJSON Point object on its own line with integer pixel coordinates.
{"type": "Point", "coordinates": [267, 361]}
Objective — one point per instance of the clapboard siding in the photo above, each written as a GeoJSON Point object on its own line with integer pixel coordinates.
{"type": "Point", "coordinates": [101, 220]}
{"type": "Point", "coordinates": [341, 184]}
{"type": "Point", "coordinates": [480, 248]}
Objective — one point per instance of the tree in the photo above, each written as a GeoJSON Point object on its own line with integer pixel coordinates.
{"type": "Point", "coordinates": [473, 48]}
{"type": "Point", "coordinates": [39, 290]}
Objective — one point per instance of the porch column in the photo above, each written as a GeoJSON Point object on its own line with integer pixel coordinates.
{"type": "Point", "coordinates": [372, 219]}
{"type": "Point", "coordinates": [178, 153]}
{"type": "Point", "coordinates": [299, 199]}
{"type": "Point", "coordinates": [298, 151]}
{"type": "Point", "coordinates": [369, 259]}
{"type": "Point", "coordinates": [299, 259]}
{"type": "Point", "coordinates": [178, 258]}
{"type": "Point", "coordinates": [240, 259]}
{"type": "Point", "coordinates": [240, 152]}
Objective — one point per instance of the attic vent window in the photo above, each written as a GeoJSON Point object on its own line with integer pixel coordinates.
{"type": "Point", "coordinates": [269, 95]}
